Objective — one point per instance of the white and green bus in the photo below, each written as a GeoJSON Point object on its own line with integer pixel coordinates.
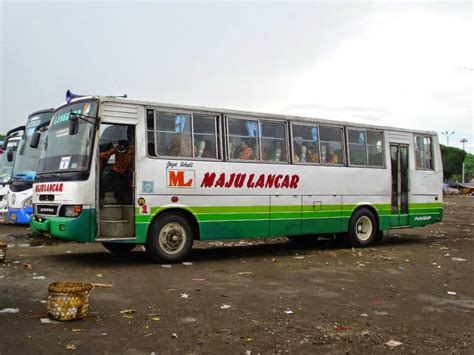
{"type": "Point", "coordinates": [204, 174]}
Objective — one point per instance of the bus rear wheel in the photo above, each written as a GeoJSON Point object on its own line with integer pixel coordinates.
{"type": "Point", "coordinates": [119, 248]}
{"type": "Point", "coordinates": [170, 239]}
{"type": "Point", "coordinates": [362, 228]}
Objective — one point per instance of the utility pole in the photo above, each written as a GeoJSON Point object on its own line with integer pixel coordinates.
{"type": "Point", "coordinates": [463, 141]}
{"type": "Point", "coordinates": [447, 134]}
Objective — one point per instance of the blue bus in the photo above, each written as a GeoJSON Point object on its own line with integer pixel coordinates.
{"type": "Point", "coordinates": [24, 170]}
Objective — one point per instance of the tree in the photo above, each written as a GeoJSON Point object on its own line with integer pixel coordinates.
{"type": "Point", "coordinates": [452, 161]}
{"type": "Point", "coordinates": [469, 166]}
{"type": "Point", "coordinates": [2, 137]}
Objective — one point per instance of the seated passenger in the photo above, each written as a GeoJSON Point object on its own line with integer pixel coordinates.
{"type": "Point", "coordinates": [332, 157]}
{"type": "Point", "coordinates": [180, 147]}
{"type": "Point", "coordinates": [296, 152]}
{"type": "Point", "coordinates": [244, 151]}
{"type": "Point", "coordinates": [209, 150]}
{"type": "Point", "coordinates": [313, 156]}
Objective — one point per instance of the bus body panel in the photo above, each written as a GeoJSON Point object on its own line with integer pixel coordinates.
{"type": "Point", "coordinates": [231, 199]}
{"type": "Point", "coordinates": [81, 228]}
{"type": "Point", "coordinates": [19, 211]}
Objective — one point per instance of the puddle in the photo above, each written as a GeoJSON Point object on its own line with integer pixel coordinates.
{"type": "Point", "coordinates": [27, 241]}
{"type": "Point", "coordinates": [465, 303]}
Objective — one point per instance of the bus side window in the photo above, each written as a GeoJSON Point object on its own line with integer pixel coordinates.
{"type": "Point", "coordinates": [273, 138]}
{"type": "Point", "coordinates": [242, 139]}
{"type": "Point", "coordinates": [423, 155]}
{"type": "Point", "coordinates": [357, 147]}
{"type": "Point", "coordinates": [375, 148]}
{"type": "Point", "coordinates": [305, 144]}
{"type": "Point", "coordinates": [205, 136]}
{"type": "Point", "coordinates": [331, 145]}
{"type": "Point", "coordinates": [172, 134]}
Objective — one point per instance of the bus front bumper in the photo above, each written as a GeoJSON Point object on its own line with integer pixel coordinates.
{"type": "Point", "coordinates": [68, 228]}
{"type": "Point", "coordinates": [20, 215]}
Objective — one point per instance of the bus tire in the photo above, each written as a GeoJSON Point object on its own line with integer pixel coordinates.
{"type": "Point", "coordinates": [362, 228]}
{"type": "Point", "coordinates": [119, 248]}
{"type": "Point", "coordinates": [170, 238]}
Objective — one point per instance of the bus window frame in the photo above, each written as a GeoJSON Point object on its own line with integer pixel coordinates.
{"type": "Point", "coordinates": [318, 125]}
{"type": "Point", "coordinates": [285, 123]}
{"type": "Point", "coordinates": [258, 119]}
{"type": "Point", "coordinates": [416, 135]}
{"type": "Point", "coordinates": [355, 128]}
{"type": "Point", "coordinates": [292, 147]}
{"type": "Point", "coordinates": [217, 117]}
{"type": "Point", "coordinates": [384, 160]}
{"type": "Point", "coordinates": [343, 145]}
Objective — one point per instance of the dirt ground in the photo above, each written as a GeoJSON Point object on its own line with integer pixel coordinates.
{"type": "Point", "coordinates": [415, 287]}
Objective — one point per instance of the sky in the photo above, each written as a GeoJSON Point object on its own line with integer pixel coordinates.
{"type": "Point", "coordinates": [397, 63]}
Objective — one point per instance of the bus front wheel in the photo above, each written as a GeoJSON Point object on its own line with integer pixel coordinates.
{"type": "Point", "coordinates": [362, 228]}
{"type": "Point", "coordinates": [170, 239]}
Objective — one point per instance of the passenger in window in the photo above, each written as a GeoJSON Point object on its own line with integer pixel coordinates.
{"type": "Point", "coordinates": [209, 150]}
{"type": "Point", "coordinates": [332, 157]}
{"type": "Point", "coordinates": [180, 146]}
{"type": "Point", "coordinates": [313, 156]}
{"type": "Point", "coordinates": [296, 152]}
{"type": "Point", "coordinates": [272, 152]}
{"type": "Point", "coordinates": [244, 151]}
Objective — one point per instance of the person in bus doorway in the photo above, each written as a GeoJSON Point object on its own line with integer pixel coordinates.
{"type": "Point", "coordinates": [120, 176]}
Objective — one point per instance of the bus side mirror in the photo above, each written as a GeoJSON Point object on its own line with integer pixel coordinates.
{"type": "Point", "coordinates": [10, 155]}
{"type": "Point", "coordinates": [73, 125]}
{"type": "Point", "coordinates": [35, 140]}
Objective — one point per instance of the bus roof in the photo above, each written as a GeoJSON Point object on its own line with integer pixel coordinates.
{"type": "Point", "coordinates": [304, 119]}
{"type": "Point", "coordinates": [46, 110]}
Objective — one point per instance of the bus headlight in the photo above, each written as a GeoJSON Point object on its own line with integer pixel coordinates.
{"type": "Point", "coordinates": [71, 211]}
{"type": "Point", "coordinates": [27, 202]}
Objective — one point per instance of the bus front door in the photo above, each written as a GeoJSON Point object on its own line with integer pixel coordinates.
{"type": "Point", "coordinates": [399, 202]}
{"type": "Point", "coordinates": [115, 216]}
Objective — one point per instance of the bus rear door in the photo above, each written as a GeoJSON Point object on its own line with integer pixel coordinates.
{"type": "Point", "coordinates": [399, 200]}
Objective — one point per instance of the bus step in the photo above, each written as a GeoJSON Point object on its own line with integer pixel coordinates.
{"type": "Point", "coordinates": [105, 238]}
{"type": "Point", "coordinates": [121, 228]}
{"type": "Point", "coordinates": [116, 212]}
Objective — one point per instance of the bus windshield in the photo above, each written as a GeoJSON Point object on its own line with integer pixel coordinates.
{"type": "Point", "coordinates": [26, 158]}
{"type": "Point", "coordinates": [5, 168]}
{"type": "Point", "coordinates": [64, 152]}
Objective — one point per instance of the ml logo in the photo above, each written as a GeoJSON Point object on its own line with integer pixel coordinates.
{"type": "Point", "coordinates": [180, 178]}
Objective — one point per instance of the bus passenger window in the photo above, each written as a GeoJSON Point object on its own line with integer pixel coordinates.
{"type": "Point", "coordinates": [423, 154]}
{"type": "Point", "coordinates": [305, 144]}
{"type": "Point", "coordinates": [375, 148]}
{"type": "Point", "coordinates": [242, 139]}
{"type": "Point", "coordinates": [357, 149]}
{"type": "Point", "coordinates": [172, 134]}
{"type": "Point", "coordinates": [331, 145]}
{"type": "Point", "coordinates": [205, 136]}
{"type": "Point", "coordinates": [273, 138]}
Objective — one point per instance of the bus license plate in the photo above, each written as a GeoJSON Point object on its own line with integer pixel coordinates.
{"type": "Point", "coordinates": [13, 216]}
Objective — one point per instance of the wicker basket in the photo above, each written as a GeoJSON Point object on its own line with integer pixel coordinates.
{"type": "Point", "coordinates": [68, 300]}
{"type": "Point", "coordinates": [3, 251]}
